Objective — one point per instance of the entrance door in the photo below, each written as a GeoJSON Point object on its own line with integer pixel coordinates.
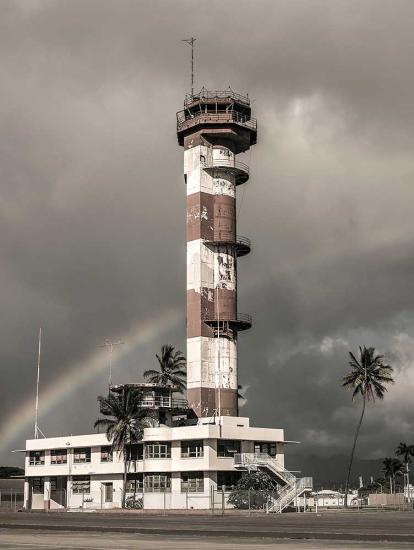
{"type": "Point", "coordinates": [58, 491]}
{"type": "Point", "coordinates": [108, 492]}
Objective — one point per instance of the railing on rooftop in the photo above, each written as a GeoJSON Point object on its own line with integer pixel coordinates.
{"type": "Point", "coordinates": [186, 119]}
{"type": "Point", "coordinates": [164, 402]}
{"type": "Point", "coordinates": [219, 95]}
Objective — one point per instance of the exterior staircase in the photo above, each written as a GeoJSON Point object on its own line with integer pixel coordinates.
{"type": "Point", "coordinates": [291, 488]}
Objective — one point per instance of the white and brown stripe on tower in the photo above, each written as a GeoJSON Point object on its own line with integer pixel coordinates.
{"type": "Point", "coordinates": [213, 128]}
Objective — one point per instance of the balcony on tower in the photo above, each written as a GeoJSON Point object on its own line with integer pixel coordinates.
{"type": "Point", "coordinates": [219, 116]}
{"type": "Point", "coordinates": [242, 245]}
{"type": "Point", "coordinates": [220, 323]}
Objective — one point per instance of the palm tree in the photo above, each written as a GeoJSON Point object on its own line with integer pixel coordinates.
{"type": "Point", "coordinates": [406, 452]}
{"type": "Point", "coordinates": [124, 423]}
{"type": "Point", "coordinates": [173, 370]}
{"type": "Point", "coordinates": [368, 378]}
{"type": "Point", "coordinates": [392, 468]}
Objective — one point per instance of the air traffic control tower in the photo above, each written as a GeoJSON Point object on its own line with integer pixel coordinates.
{"type": "Point", "coordinates": [213, 128]}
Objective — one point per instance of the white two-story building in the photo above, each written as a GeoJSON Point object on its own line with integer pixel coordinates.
{"type": "Point", "coordinates": [173, 467]}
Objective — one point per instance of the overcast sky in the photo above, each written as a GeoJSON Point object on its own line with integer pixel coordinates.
{"type": "Point", "coordinates": [92, 204]}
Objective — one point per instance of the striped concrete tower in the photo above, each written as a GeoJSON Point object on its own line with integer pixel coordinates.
{"type": "Point", "coordinates": [213, 128]}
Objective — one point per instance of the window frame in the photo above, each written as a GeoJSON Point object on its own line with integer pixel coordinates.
{"type": "Point", "coordinates": [270, 445]}
{"type": "Point", "coordinates": [79, 451]}
{"type": "Point", "coordinates": [54, 456]}
{"type": "Point", "coordinates": [38, 485]}
{"type": "Point", "coordinates": [41, 458]}
{"type": "Point", "coordinates": [135, 483]}
{"type": "Point", "coordinates": [150, 448]}
{"type": "Point", "coordinates": [228, 453]}
{"type": "Point", "coordinates": [194, 482]}
{"type": "Point", "coordinates": [109, 452]}
{"type": "Point", "coordinates": [76, 484]}
{"type": "Point", "coordinates": [197, 444]}
{"type": "Point", "coordinates": [236, 476]}
{"type": "Point", "coordinates": [157, 487]}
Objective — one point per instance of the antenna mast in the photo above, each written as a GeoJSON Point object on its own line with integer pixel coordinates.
{"type": "Point", "coordinates": [190, 42]}
{"type": "Point", "coordinates": [37, 430]}
{"type": "Point", "coordinates": [110, 345]}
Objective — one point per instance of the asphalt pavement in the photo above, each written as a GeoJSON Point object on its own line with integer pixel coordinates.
{"type": "Point", "coordinates": [367, 526]}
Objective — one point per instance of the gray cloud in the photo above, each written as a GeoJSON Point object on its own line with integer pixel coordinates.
{"type": "Point", "coordinates": [92, 203]}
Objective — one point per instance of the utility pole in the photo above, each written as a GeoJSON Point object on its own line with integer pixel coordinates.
{"type": "Point", "coordinates": [110, 345]}
{"type": "Point", "coordinates": [190, 42]}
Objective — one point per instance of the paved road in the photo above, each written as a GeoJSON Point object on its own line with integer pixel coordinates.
{"type": "Point", "coordinates": [350, 526]}
{"type": "Point", "coordinates": [37, 540]}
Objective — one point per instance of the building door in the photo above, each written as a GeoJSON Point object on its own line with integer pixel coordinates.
{"type": "Point", "coordinates": [108, 492]}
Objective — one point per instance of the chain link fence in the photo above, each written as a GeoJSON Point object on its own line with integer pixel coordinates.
{"type": "Point", "coordinates": [11, 499]}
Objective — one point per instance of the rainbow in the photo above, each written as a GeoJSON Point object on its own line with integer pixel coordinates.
{"type": "Point", "coordinates": [78, 374]}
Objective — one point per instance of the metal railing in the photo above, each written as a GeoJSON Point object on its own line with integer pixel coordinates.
{"type": "Point", "coordinates": [227, 164]}
{"type": "Point", "coordinates": [185, 119]}
{"type": "Point", "coordinates": [293, 487]}
{"type": "Point", "coordinates": [215, 94]}
{"type": "Point", "coordinates": [227, 317]}
{"type": "Point", "coordinates": [164, 401]}
{"type": "Point", "coordinates": [248, 460]}
{"type": "Point", "coordinates": [240, 241]}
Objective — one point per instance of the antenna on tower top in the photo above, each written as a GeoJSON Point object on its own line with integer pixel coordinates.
{"type": "Point", "coordinates": [190, 42]}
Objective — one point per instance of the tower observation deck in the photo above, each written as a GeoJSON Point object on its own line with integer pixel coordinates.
{"type": "Point", "coordinates": [213, 128]}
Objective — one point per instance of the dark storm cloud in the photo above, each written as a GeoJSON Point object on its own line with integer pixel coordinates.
{"type": "Point", "coordinates": [92, 196]}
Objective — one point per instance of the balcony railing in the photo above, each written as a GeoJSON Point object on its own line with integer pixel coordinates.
{"type": "Point", "coordinates": [241, 244]}
{"type": "Point", "coordinates": [187, 120]}
{"type": "Point", "coordinates": [240, 169]}
{"type": "Point", "coordinates": [220, 95]}
{"type": "Point", "coordinates": [165, 402]}
{"type": "Point", "coordinates": [241, 321]}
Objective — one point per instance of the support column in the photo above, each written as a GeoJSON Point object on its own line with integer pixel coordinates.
{"type": "Point", "coordinates": [27, 495]}
{"type": "Point", "coordinates": [46, 494]}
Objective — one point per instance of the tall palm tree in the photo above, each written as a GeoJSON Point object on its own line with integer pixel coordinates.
{"type": "Point", "coordinates": [391, 468]}
{"type": "Point", "coordinates": [173, 370]}
{"type": "Point", "coordinates": [368, 378]}
{"type": "Point", "coordinates": [124, 422]}
{"type": "Point", "coordinates": [406, 452]}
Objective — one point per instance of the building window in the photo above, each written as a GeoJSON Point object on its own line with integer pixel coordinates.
{"type": "Point", "coordinates": [106, 454]}
{"type": "Point", "coordinates": [38, 485]}
{"type": "Point", "coordinates": [135, 483]}
{"type": "Point", "coordinates": [81, 485]}
{"type": "Point", "coordinates": [158, 450]}
{"type": "Point", "coordinates": [265, 447]}
{"type": "Point", "coordinates": [37, 458]}
{"type": "Point", "coordinates": [227, 448]}
{"type": "Point", "coordinates": [58, 456]}
{"type": "Point", "coordinates": [192, 482]}
{"type": "Point", "coordinates": [135, 452]}
{"type": "Point", "coordinates": [81, 454]}
{"type": "Point", "coordinates": [157, 483]}
{"type": "Point", "coordinates": [227, 480]}
{"type": "Point", "coordinates": [192, 449]}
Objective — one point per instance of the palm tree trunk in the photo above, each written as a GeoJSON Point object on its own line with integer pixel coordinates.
{"type": "Point", "coordinates": [351, 458]}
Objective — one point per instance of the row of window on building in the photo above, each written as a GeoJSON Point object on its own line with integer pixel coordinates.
{"type": "Point", "coordinates": [191, 482]}
{"type": "Point", "coordinates": [189, 449]}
